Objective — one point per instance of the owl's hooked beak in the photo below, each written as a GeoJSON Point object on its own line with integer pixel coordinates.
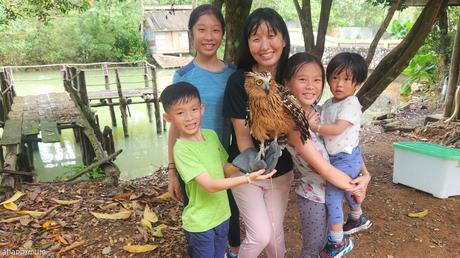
{"type": "Point", "coordinates": [266, 87]}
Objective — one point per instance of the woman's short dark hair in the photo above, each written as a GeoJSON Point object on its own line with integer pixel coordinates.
{"type": "Point", "coordinates": [205, 9]}
{"type": "Point", "coordinates": [276, 23]}
{"type": "Point", "coordinates": [348, 61]}
{"type": "Point", "coordinates": [296, 61]}
{"type": "Point", "coordinates": [180, 92]}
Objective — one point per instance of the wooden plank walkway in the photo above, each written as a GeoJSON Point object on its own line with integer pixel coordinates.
{"type": "Point", "coordinates": [43, 113]}
{"type": "Point", "coordinates": [113, 94]}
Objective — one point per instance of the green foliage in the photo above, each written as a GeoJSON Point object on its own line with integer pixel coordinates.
{"type": "Point", "coordinates": [425, 69]}
{"type": "Point", "coordinates": [422, 70]}
{"type": "Point", "coordinates": [11, 10]}
{"type": "Point", "coordinates": [399, 29]}
{"type": "Point", "coordinates": [387, 3]}
{"type": "Point", "coordinates": [94, 173]}
{"type": "Point", "coordinates": [108, 31]}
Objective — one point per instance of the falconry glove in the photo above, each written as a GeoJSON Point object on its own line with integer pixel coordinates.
{"type": "Point", "coordinates": [272, 155]}
{"type": "Point", "coordinates": [246, 161]}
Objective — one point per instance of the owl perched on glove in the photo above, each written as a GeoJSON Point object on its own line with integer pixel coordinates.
{"type": "Point", "coordinates": [273, 111]}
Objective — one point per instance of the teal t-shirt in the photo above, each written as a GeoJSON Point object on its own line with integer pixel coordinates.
{"type": "Point", "coordinates": [205, 210]}
{"type": "Point", "coordinates": [211, 86]}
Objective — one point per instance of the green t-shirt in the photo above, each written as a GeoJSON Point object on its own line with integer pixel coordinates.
{"type": "Point", "coordinates": [205, 210]}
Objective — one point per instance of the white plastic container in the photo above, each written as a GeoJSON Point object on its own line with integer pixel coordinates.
{"type": "Point", "coordinates": [427, 167]}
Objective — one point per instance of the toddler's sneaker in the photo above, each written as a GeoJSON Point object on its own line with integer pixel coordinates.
{"type": "Point", "coordinates": [354, 226]}
{"type": "Point", "coordinates": [229, 254]}
{"type": "Point", "coordinates": [332, 250]}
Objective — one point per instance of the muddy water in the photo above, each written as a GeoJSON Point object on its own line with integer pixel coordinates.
{"type": "Point", "coordinates": [144, 151]}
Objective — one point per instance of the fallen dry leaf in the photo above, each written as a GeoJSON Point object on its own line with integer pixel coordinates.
{"type": "Point", "coordinates": [156, 232]}
{"type": "Point", "coordinates": [139, 248]}
{"type": "Point", "coordinates": [109, 206]}
{"type": "Point", "coordinates": [72, 246]}
{"type": "Point", "coordinates": [118, 215]}
{"type": "Point", "coordinates": [48, 224]}
{"type": "Point", "coordinates": [149, 215]}
{"type": "Point", "coordinates": [10, 220]}
{"type": "Point", "coordinates": [420, 214]}
{"type": "Point", "coordinates": [122, 196]}
{"type": "Point", "coordinates": [35, 214]}
{"type": "Point", "coordinates": [13, 198]}
{"type": "Point", "coordinates": [10, 206]}
{"type": "Point", "coordinates": [146, 223]}
{"type": "Point", "coordinates": [25, 220]}
{"type": "Point", "coordinates": [66, 202]}
{"type": "Point", "coordinates": [165, 196]}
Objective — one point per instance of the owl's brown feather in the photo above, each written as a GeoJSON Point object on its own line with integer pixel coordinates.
{"type": "Point", "coordinates": [273, 110]}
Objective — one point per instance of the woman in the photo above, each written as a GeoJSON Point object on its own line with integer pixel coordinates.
{"type": "Point", "coordinates": [264, 47]}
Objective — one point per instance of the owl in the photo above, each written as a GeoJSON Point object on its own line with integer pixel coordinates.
{"type": "Point", "coordinates": [273, 111]}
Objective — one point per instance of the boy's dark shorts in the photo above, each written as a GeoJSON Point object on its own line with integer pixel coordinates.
{"type": "Point", "coordinates": [208, 244]}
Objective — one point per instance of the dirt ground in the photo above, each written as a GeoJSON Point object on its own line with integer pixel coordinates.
{"type": "Point", "coordinates": [69, 229]}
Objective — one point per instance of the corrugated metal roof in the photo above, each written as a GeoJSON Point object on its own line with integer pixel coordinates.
{"type": "Point", "coordinates": [168, 20]}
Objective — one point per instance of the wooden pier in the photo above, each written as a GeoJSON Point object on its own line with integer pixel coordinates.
{"type": "Point", "coordinates": [27, 120]}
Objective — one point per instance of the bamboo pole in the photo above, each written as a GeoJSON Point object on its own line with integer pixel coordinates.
{"type": "Point", "coordinates": [156, 101]}
{"type": "Point", "coordinates": [124, 117]}
{"type": "Point", "coordinates": [146, 83]}
{"type": "Point", "coordinates": [107, 87]}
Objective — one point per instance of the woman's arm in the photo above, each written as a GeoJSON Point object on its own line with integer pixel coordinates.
{"type": "Point", "coordinates": [243, 136]}
{"type": "Point", "coordinates": [173, 181]}
{"type": "Point", "coordinates": [321, 166]}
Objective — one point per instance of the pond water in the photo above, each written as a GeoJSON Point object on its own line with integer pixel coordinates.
{"type": "Point", "coordinates": [144, 151]}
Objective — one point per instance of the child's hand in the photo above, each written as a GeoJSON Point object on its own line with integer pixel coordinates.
{"type": "Point", "coordinates": [259, 175]}
{"type": "Point", "coordinates": [313, 119]}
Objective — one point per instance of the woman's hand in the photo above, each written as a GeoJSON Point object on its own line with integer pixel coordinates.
{"type": "Point", "coordinates": [360, 188]}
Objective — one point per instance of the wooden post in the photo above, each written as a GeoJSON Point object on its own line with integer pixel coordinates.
{"type": "Point", "coordinates": [3, 104]}
{"type": "Point", "coordinates": [7, 96]}
{"type": "Point", "coordinates": [82, 87]}
{"type": "Point", "coordinates": [156, 101]}
{"type": "Point", "coordinates": [9, 181]}
{"type": "Point", "coordinates": [107, 87]}
{"type": "Point", "coordinates": [146, 82]}
{"type": "Point", "coordinates": [72, 76]}
{"type": "Point", "coordinates": [124, 117]}
{"type": "Point", "coordinates": [13, 90]}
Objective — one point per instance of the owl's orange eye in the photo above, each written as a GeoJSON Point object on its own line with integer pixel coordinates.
{"type": "Point", "coordinates": [259, 82]}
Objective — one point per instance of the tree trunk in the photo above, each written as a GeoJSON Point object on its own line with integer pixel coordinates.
{"type": "Point", "coordinates": [304, 14]}
{"type": "Point", "coordinates": [383, 27]}
{"type": "Point", "coordinates": [236, 12]}
{"type": "Point", "coordinates": [394, 63]}
{"type": "Point", "coordinates": [218, 4]}
{"type": "Point", "coordinates": [453, 73]}
{"type": "Point", "coordinates": [445, 44]}
{"type": "Point", "coordinates": [322, 28]}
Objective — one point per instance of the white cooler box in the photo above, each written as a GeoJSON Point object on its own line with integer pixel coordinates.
{"type": "Point", "coordinates": [427, 167]}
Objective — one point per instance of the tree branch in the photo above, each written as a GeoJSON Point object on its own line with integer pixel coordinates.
{"type": "Point", "coordinates": [322, 28]}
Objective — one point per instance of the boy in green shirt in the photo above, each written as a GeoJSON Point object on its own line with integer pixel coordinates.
{"type": "Point", "coordinates": [201, 162]}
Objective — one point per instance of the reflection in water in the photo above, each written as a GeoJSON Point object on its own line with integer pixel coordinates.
{"type": "Point", "coordinates": [143, 151]}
